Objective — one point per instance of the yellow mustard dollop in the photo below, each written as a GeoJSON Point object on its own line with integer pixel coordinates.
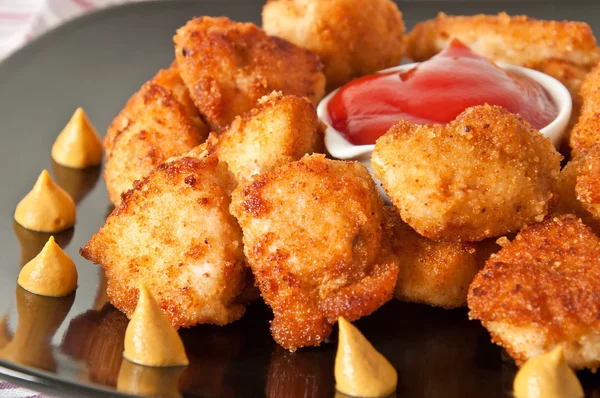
{"type": "Point", "coordinates": [78, 145]}
{"type": "Point", "coordinates": [50, 273]}
{"type": "Point", "coordinates": [360, 370]}
{"type": "Point", "coordinates": [547, 376]}
{"type": "Point", "coordinates": [46, 208]}
{"type": "Point", "coordinates": [150, 339]}
{"type": "Point", "coordinates": [149, 381]}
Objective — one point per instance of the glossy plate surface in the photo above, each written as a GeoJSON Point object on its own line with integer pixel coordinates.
{"type": "Point", "coordinates": [72, 346]}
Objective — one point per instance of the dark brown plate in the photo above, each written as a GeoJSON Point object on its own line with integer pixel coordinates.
{"type": "Point", "coordinates": [73, 346]}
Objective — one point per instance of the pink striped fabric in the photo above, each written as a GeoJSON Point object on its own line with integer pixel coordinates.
{"type": "Point", "coordinates": [8, 390]}
{"type": "Point", "coordinates": [21, 20]}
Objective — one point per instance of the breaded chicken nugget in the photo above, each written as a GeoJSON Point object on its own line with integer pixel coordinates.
{"type": "Point", "coordinates": [352, 38]}
{"type": "Point", "coordinates": [154, 126]}
{"type": "Point", "coordinates": [313, 238]}
{"type": "Point", "coordinates": [518, 40]}
{"type": "Point", "coordinates": [586, 131]}
{"type": "Point", "coordinates": [281, 129]}
{"type": "Point", "coordinates": [228, 66]}
{"type": "Point", "coordinates": [578, 188]}
{"type": "Point", "coordinates": [173, 232]}
{"type": "Point", "coordinates": [483, 175]}
{"type": "Point", "coordinates": [431, 272]}
{"type": "Point", "coordinates": [168, 79]}
{"type": "Point", "coordinates": [541, 290]}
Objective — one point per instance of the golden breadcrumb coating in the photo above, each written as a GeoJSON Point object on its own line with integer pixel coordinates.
{"type": "Point", "coordinates": [168, 79]}
{"type": "Point", "coordinates": [578, 188]}
{"type": "Point", "coordinates": [541, 290]}
{"type": "Point", "coordinates": [173, 232]}
{"type": "Point", "coordinates": [154, 126]}
{"type": "Point", "coordinates": [281, 129]}
{"type": "Point", "coordinates": [483, 175]}
{"type": "Point", "coordinates": [518, 40]}
{"type": "Point", "coordinates": [588, 181]}
{"type": "Point", "coordinates": [228, 66]}
{"type": "Point", "coordinates": [431, 272]}
{"type": "Point", "coordinates": [313, 238]}
{"type": "Point", "coordinates": [586, 131]}
{"type": "Point", "coordinates": [352, 38]}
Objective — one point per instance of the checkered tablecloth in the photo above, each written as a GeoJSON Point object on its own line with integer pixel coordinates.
{"type": "Point", "coordinates": [20, 21]}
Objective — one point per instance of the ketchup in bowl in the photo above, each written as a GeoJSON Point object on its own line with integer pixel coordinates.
{"type": "Point", "coordinates": [435, 91]}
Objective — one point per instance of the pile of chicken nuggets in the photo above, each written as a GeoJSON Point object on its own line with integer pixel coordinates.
{"type": "Point", "coordinates": [222, 189]}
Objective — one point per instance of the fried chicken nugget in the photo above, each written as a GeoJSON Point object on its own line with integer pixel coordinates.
{"type": "Point", "coordinates": [578, 188]}
{"type": "Point", "coordinates": [483, 175]}
{"type": "Point", "coordinates": [173, 232]}
{"type": "Point", "coordinates": [431, 272]}
{"type": "Point", "coordinates": [586, 131]}
{"type": "Point", "coordinates": [352, 38]}
{"type": "Point", "coordinates": [518, 40]}
{"type": "Point", "coordinates": [313, 238]}
{"type": "Point", "coordinates": [281, 129]}
{"type": "Point", "coordinates": [228, 66]}
{"type": "Point", "coordinates": [541, 290]}
{"type": "Point", "coordinates": [168, 79]}
{"type": "Point", "coordinates": [154, 126]}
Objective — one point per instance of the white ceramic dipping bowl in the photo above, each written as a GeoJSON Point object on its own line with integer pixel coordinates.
{"type": "Point", "coordinates": [341, 148]}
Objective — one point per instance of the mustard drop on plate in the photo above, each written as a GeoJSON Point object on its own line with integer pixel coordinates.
{"type": "Point", "coordinates": [51, 273]}
{"type": "Point", "coordinates": [150, 339]}
{"type": "Point", "coordinates": [78, 146]}
{"type": "Point", "coordinates": [547, 376]}
{"type": "Point", "coordinates": [360, 370]}
{"type": "Point", "coordinates": [46, 208]}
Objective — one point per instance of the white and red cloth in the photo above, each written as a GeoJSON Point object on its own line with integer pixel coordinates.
{"type": "Point", "coordinates": [21, 20]}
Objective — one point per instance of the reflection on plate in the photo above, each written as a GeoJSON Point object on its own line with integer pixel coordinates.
{"type": "Point", "coordinates": [149, 381]}
{"type": "Point", "coordinates": [77, 182]}
{"type": "Point", "coordinates": [32, 242]}
{"type": "Point", "coordinates": [39, 319]}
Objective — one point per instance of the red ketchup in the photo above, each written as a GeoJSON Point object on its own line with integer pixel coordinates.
{"type": "Point", "coordinates": [435, 91]}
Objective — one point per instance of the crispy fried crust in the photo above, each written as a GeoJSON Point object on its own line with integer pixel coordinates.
{"type": "Point", "coordinates": [518, 40]}
{"type": "Point", "coordinates": [313, 238]}
{"type": "Point", "coordinates": [281, 129]}
{"type": "Point", "coordinates": [228, 66]}
{"type": "Point", "coordinates": [542, 290]}
{"type": "Point", "coordinates": [586, 132]}
{"type": "Point", "coordinates": [174, 233]}
{"type": "Point", "coordinates": [578, 189]}
{"type": "Point", "coordinates": [588, 181]}
{"type": "Point", "coordinates": [168, 79]}
{"type": "Point", "coordinates": [353, 38]}
{"type": "Point", "coordinates": [158, 122]}
{"type": "Point", "coordinates": [431, 272]}
{"type": "Point", "coordinates": [485, 174]}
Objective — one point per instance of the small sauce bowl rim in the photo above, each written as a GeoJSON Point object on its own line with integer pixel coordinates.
{"type": "Point", "coordinates": [339, 147]}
